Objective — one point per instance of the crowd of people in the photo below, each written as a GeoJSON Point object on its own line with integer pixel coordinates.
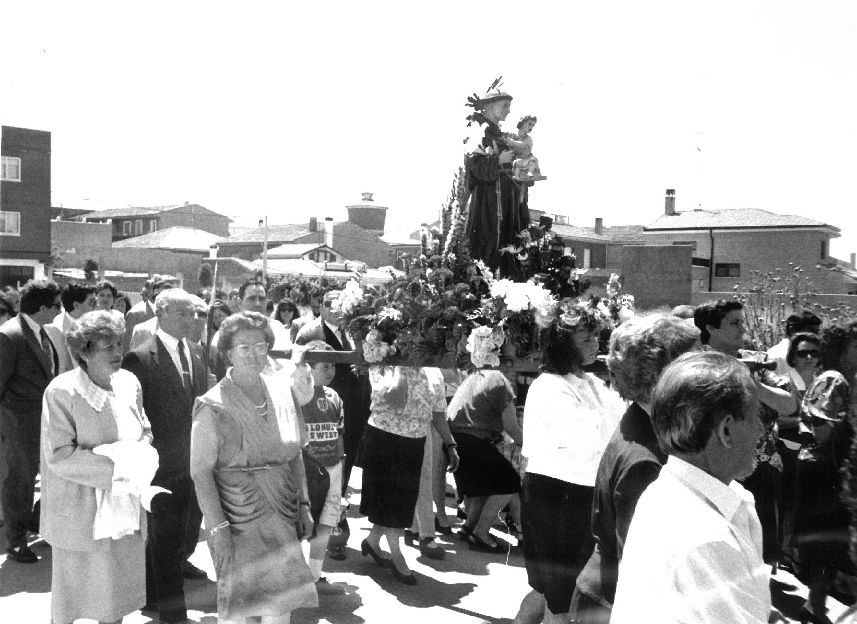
{"type": "Point", "coordinates": [670, 489]}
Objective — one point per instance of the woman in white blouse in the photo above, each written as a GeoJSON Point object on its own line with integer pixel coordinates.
{"type": "Point", "coordinates": [569, 417]}
{"type": "Point", "coordinates": [97, 533]}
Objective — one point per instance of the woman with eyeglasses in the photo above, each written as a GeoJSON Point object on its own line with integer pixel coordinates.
{"type": "Point", "coordinates": [821, 521]}
{"type": "Point", "coordinates": [93, 418]}
{"type": "Point", "coordinates": [802, 356]}
{"type": "Point", "coordinates": [249, 476]}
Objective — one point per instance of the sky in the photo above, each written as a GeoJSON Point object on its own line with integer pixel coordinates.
{"type": "Point", "coordinates": [289, 110]}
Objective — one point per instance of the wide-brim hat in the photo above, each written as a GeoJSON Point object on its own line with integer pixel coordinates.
{"type": "Point", "coordinates": [495, 95]}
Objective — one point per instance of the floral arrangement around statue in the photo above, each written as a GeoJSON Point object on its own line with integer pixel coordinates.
{"type": "Point", "coordinates": [427, 318]}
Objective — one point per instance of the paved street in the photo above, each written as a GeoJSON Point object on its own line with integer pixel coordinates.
{"type": "Point", "coordinates": [466, 587]}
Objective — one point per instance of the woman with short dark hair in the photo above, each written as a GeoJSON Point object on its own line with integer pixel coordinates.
{"type": "Point", "coordinates": [569, 417]}
{"type": "Point", "coordinates": [639, 351]}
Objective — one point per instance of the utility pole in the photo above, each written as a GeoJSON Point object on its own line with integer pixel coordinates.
{"type": "Point", "coordinates": [265, 254]}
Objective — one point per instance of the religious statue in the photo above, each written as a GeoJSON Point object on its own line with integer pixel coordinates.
{"type": "Point", "coordinates": [497, 209]}
{"type": "Point", "coordinates": [525, 167]}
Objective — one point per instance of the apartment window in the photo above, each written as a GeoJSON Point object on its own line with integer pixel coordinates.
{"type": "Point", "coordinates": [126, 228]}
{"type": "Point", "coordinates": [153, 225]}
{"type": "Point", "coordinates": [10, 223]}
{"type": "Point", "coordinates": [727, 269]}
{"type": "Point", "coordinates": [823, 249]}
{"type": "Point", "coordinates": [10, 169]}
{"type": "Point", "coordinates": [138, 227]}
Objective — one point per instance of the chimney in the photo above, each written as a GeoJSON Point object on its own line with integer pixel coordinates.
{"type": "Point", "coordinates": [669, 203]}
{"type": "Point", "coordinates": [313, 224]}
{"type": "Point", "coordinates": [599, 226]}
{"type": "Point", "coordinates": [328, 231]}
{"type": "Point", "coordinates": [367, 197]}
{"type": "Point", "coordinates": [854, 260]}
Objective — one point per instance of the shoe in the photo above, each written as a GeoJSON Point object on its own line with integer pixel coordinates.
{"type": "Point", "coordinates": [337, 552]}
{"type": "Point", "coordinates": [460, 513]}
{"type": "Point", "coordinates": [435, 552]}
{"type": "Point", "coordinates": [443, 530]}
{"type": "Point", "coordinates": [410, 537]}
{"type": "Point", "coordinates": [190, 571]}
{"type": "Point", "coordinates": [407, 579]}
{"type": "Point", "coordinates": [22, 554]}
{"type": "Point", "coordinates": [367, 549]}
{"type": "Point", "coordinates": [326, 588]}
{"type": "Point", "coordinates": [806, 616]}
{"type": "Point", "coordinates": [465, 532]}
{"type": "Point", "coordinates": [149, 608]}
{"type": "Point", "coordinates": [478, 544]}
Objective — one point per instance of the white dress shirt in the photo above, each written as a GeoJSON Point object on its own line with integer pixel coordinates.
{"type": "Point", "coordinates": [693, 554]}
{"type": "Point", "coordinates": [568, 421]}
{"type": "Point", "coordinates": [172, 345]}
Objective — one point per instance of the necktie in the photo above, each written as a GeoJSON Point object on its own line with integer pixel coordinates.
{"type": "Point", "coordinates": [48, 350]}
{"type": "Point", "coordinates": [346, 346]}
{"type": "Point", "coordinates": [186, 381]}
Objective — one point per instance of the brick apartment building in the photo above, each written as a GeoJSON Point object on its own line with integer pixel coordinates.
{"type": "Point", "coordinates": [25, 204]}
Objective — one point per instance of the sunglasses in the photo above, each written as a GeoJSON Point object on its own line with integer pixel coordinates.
{"type": "Point", "coordinates": [812, 353]}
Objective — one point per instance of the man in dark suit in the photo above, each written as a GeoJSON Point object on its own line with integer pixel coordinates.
{"type": "Point", "coordinates": [353, 389]}
{"type": "Point", "coordinates": [28, 362]}
{"type": "Point", "coordinates": [172, 374]}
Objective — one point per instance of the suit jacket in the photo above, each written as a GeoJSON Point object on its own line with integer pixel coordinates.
{"type": "Point", "coordinates": [168, 406]}
{"type": "Point", "coordinates": [138, 313]}
{"type": "Point", "coordinates": [25, 372]}
{"type": "Point", "coordinates": [71, 428]}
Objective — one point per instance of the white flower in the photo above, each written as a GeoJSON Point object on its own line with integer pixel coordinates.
{"type": "Point", "coordinates": [391, 313]}
{"type": "Point", "coordinates": [500, 287]}
{"type": "Point", "coordinates": [483, 344]}
{"type": "Point", "coordinates": [516, 299]}
{"type": "Point", "coordinates": [375, 349]}
{"type": "Point", "coordinates": [349, 298]}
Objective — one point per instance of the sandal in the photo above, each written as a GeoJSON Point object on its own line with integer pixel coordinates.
{"type": "Point", "coordinates": [478, 544]}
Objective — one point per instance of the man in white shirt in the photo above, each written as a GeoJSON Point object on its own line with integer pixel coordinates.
{"type": "Point", "coordinates": [694, 548]}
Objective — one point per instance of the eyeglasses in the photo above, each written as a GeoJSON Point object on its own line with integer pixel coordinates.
{"type": "Point", "coordinates": [260, 348]}
{"type": "Point", "coordinates": [812, 353]}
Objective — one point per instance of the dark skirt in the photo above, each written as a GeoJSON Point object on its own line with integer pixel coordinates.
{"type": "Point", "coordinates": [482, 470]}
{"type": "Point", "coordinates": [391, 477]}
{"type": "Point", "coordinates": [558, 540]}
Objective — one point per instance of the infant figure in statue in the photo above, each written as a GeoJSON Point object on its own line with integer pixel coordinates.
{"type": "Point", "coordinates": [525, 167]}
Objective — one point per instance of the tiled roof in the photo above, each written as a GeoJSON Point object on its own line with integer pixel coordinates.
{"type": "Point", "coordinates": [571, 231]}
{"type": "Point", "coordinates": [624, 233]}
{"type": "Point", "coordinates": [292, 250]}
{"type": "Point", "coordinates": [179, 238]}
{"type": "Point", "coordinates": [733, 218]}
{"type": "Point", "coordinates": [276, 234]}
{"type": "Point", "coordinates": [130, 211]}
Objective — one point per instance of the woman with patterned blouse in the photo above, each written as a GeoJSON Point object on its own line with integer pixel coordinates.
{"type": "Point", "coordinates": [405, 403]}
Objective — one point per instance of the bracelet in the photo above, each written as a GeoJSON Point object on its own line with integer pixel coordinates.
{"type": "Point", "coordinates": [304, 502]}
{"type": "Point", "coordinates": [450, 445]}
{"type": "Point", "coordinates": [215, 529]}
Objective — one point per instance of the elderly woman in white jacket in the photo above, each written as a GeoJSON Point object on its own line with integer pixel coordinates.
{"type": "Point", "coordinates": [85, 412]}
